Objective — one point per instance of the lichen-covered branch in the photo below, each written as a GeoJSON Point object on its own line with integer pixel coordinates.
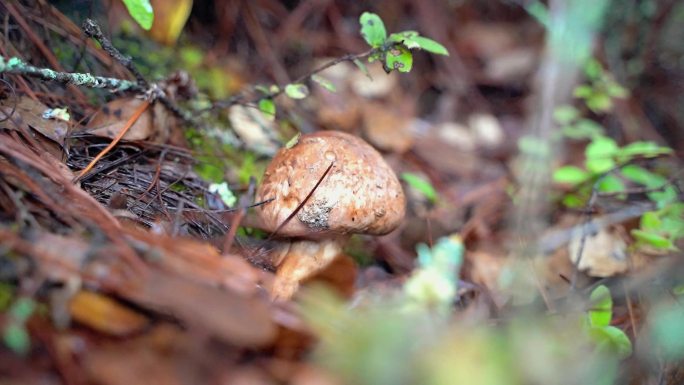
{"type": "Point", "coordinates": [93, 30]}
{"type": "Point", "coordinates": [17, 66]}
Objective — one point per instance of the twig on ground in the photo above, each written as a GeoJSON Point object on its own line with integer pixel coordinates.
{"type": "Point", "coordinates": [17, 66]}
{"type": "Point", "coordinates": [129, 123]}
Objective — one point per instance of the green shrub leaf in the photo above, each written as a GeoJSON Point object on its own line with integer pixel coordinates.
{"type": "Point", "coordinates": [141, 11]}
{"type": "Point", "coordinates": [650, 221]}
{"type": "Point", "coordinates": [611, 184]}
{"type": "Point", "coordinates": [643, 149]}
{"type": "Point", "coordinates": [601, 311]}
{"type": "Point", "coordinates": [323, 82]}
{"type": "Point", "coordinates": [296, 91]}
{"type": "Point", "coordinates": [565, 114]}
{"type": "Point", "coordinates": [268, 108]}
{"type": "Point", "coordinates": [612, 340]}
{"type": "Point", "coordinates": [571, 175]}
{"type": "Point", "coordinates": [16, 338]}
{"type": "Point", "coordinates": [224, 193]}
{"type": "Point", "coordinates": [373, 29]}
{"type": "Point", "coordinates": [430, 45]}
{"type": "Point", "coordinates": [642, 176]}
{"type": "Point", "coordinates": [420, 184]}
{"type": "Point", "coordinates": [399, 58]}
{"type": "Point", "coordinates": [653, 239]}
{"type": "Point", "coordinates": [363, 68]}
{"type": "Point", "coordinates": [599, 154]}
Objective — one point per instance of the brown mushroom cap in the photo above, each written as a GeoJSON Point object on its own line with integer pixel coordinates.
{"type": "Point", "coordinates": [360, 194]}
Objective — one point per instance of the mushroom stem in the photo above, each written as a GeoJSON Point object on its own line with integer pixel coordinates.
{"type": "Point", "coordinates": [303, 259]}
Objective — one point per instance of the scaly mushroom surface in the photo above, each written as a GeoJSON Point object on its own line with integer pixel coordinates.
{"type": "Point", "coordinates": [360, 194]}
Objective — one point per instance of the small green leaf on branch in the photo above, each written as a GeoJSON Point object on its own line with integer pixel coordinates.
{"type": "Point", "coordinates": [323, 82]}
{"type": "Point", "coordinates": [373, 29]}
{"type": "Point", "coordinates": [296, 91]}
{"type": "Point", "coordinates": [141, 11]}
{"type": "Point", "coordinates": [399, 58]}
{"type": "Point", "coordinates": [268, 108]}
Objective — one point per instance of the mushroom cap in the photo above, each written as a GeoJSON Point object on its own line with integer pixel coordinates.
{"type": "Point", "coordinates": [360, 193]}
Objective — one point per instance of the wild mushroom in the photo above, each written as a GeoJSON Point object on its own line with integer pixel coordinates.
{"type": "Point", "coordinates": [343, 186]}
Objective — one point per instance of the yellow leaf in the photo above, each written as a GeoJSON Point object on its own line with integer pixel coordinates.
{"type": "Point", "coordinates": [104, 314]}
{"type": "Point", "coordinates": [169, 19]}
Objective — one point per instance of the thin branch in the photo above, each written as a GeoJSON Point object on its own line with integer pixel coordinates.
{"type": "Point", "coordinates": [240, 97]}
{"type": "Point", "coordinates": [16, 66]}
{"type": "Point", "coordinates": [93, 30]}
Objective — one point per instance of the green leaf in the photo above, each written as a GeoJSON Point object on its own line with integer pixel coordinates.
{"type": "Point", "coordinates": [191, 56]}
{"type": "Point", "coordinates": [565, 114]}
{"type": "Point", "coordinates": [666, 331]}
{"type": "Point", "coordinates": [612, 340]}
{"type": "Point", "coordinates": [16, 338]}
{"type": "Point", "coordinates": [430, 45]}
{"type": "Point", "coordinates": [405, 38]}
{"type": "Point", "coordinates": [571, 175]}
{"type": "Point", "coordinates": [399, 58]}
{"type": "Point", "coordinates": [650, 220]}
{"type": "Point", "coordinates": [141, 11]}
{"type": "Point", "coordinates": [642, 149]}
{"type": "Point", "coordinates": [373, 29]}
{"type": "Point", "coordinates": [363, 68]}
{"type": "Point", "coordinates": [584, 91]}
{"type": "Point", "coordinates": [665, 197]}
{"type": "Point", "coordinates": [296, 91]}
{"type": "Point", "coordinates": [599, 154]}
{"type": "Point", "coordinates": [653, 239]}
{"type": "Point", "coordinates": [224, 192]}
{"type": "Point", "coordinates": [651, 180]}
{"type": "Point", "coordinates": [573, 201]}
{"type": "Point", "coordinates": [420, 184]}
{"type": "Point", "coordinates": [611, 184]}
{"type": "Point", "coordinates": [261, 88]}
{"type": "Point", "coordinates": [617, 91]}
{"type": "Point", "coordinates": [268, 108]}
{"type": "Point", "coordinates": [643, 176]}
{"type": "Point", "coordinates": [323, 82]}
{"type": "Point", "coordinates": [588, 128]}
{"type": "Point", "coordinates": [599, 102]}
{"type": "Point", "coordinates": [593, 69]}
{"type": "Point", "coordinates": [538, 10]}
{"type": "Point", "coordinates": [601, 311]}
{"type": "Point", "coordinates": [672, 217]}
{"type": "Point", "coordinates": [424, 43]}
{"type": "Point", "coordinates": [293, 142]}
{"type": "Point", "coordinates": [22, 309]}
{"type": "Point", "coordinates": [411, 39]}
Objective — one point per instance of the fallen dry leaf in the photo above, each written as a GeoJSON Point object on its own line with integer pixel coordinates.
{"type": "Point", "coordinates": [230, 317]}
{"type": "Point", "coordinates": [153, 125]}
{"type": "Point", "coordinates": [105, 314]}
{"type": "Point", "coordinates": [29, 112]}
